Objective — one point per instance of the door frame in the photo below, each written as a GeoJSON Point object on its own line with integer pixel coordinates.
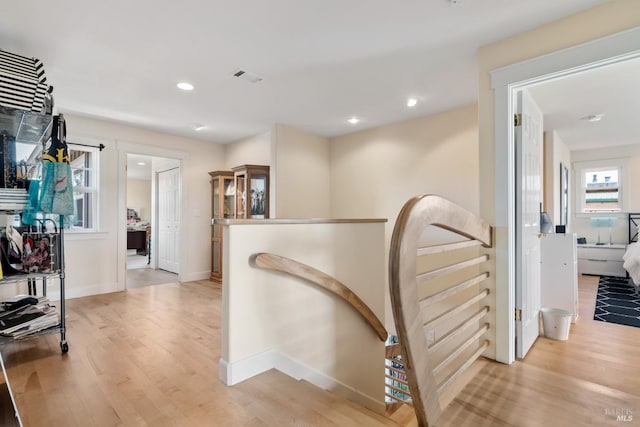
{"type": "Point", "coordinates": [125, 148]}
{"type": "Point", "coordinates": [505, 82]}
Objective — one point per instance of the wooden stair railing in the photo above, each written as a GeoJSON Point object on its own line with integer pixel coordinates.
{"type": "Point", "coordinates": [432, 365]}
{"type": "Point", "coordinates": [317, 277]}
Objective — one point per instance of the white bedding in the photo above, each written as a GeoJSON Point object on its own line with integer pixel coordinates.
{"type": "Point", "coordinates": [632, 262]}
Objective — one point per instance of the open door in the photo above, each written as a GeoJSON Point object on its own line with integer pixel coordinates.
{"type": "Point", "coordinates": [528, 137]}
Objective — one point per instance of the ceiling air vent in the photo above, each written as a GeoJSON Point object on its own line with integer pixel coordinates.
{"type": "Point", "coordinates": [247, 75]}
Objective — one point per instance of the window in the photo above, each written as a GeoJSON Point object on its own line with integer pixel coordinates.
{"type": "Point", "coordinates": [84, 168]}
{"type": "Point", "coordinates": [600, 186]}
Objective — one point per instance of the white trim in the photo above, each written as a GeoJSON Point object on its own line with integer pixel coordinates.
{"type": "Point", "coordinates": [236, 372]}
{"type": "Point", "coordinates": [505, 224]}
{"type": "Point", "coordinates": [150, 150]}
{"type": "Point", "coordinates": [95, 171]}
{"type": "Point", "coordinates": [604, 51]}
{"type": "Point", "coordinates": [192, 277]}
{"type": "Point", "coordinates": [85, 235]}
{"type": "Point", "coordinates": [579, 184]}
{"type": "Point", "coordinates": [611, 49]}
{"type": "Point", "coordinates": [53, 290]}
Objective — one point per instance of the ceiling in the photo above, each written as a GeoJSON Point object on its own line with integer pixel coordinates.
{"type": "Point", "coordinates": [612, 91]}
{"type": "Point", "coordinates": [139, 166]}
{"type": "Point", "coordinates": [321, 62]}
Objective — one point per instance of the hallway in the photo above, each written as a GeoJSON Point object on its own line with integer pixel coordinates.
{"type": "Point", "coordinates": [139, 274]}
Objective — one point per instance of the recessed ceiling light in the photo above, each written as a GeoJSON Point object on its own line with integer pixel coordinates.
{"type": "Point", "coordinates": [185, 86]}
{"type": "Point", "coordinates": [199, 127]}
{"type": "Point", "coordinates": [593, 117]}
{"type": "Point", "coordinates": [354, 120]}
{"type": "Point", "coordinates": [141, 163]}
{"type": "Point", "coordinates": [412, 102]}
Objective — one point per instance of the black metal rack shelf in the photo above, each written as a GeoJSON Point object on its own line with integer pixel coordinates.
{"type": "Point", "coordinates": [30, 127]}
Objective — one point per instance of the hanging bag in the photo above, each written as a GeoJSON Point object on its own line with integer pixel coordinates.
{"type": "Point", "coordinates": [56, 195]}
{"type": "Point", "coordinates": [29, 215]}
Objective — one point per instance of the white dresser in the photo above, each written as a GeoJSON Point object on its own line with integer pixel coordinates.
{"type": "Point", "coordinates": [601, 260]}
{"type": "Point", "coordinates": [559, 273]}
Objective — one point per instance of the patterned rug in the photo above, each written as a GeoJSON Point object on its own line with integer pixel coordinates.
{"type": "Point", "coordinates": [617, 302]}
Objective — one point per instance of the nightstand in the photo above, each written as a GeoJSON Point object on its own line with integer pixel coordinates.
{"type": "Point", "coordinates": [601, 260]}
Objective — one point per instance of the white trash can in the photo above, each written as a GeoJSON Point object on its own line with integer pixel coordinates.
{"type": "Point", "coordinates": [556, 323]}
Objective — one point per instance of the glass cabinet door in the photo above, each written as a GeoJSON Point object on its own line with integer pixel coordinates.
{"type": "Point", "coordinates": [222, 206]}
{"type": "Point", "coordinates": [258, 196]}
{"type": "Point", "coordinates": [216, 256]}
{"type": "Point", "coordinates": [252, 191]}
{"type": "Point", "coordinates": [241, 197]}
{"type": "Point", "coordinates": [229, 210]}
{"type": "Point", "coordinates": [215, 188]}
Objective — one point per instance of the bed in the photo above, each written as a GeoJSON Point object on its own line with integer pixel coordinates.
{"type": "Point", "coordinates": [631, 256]}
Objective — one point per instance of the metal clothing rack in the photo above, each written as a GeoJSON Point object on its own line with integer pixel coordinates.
{"type": "Point", "coordinates": [31, 127]}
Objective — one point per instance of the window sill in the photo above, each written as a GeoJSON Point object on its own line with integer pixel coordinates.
{"type": "Point", "coordinates": [621, 214]}
{"type": "Point", "coordinates": [84, 235]}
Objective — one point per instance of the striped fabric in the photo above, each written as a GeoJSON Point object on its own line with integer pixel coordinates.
{"type": "Point", "coordinates": [23, 84]}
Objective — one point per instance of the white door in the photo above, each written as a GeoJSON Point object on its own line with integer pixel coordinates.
{"type": "Point", "coordinates": [169, 220]}
{"type": "Point", "coordinates": [528, 135]}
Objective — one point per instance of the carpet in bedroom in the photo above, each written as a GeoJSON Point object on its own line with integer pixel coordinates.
{"type": "Point", "coordinates": [617, 302]}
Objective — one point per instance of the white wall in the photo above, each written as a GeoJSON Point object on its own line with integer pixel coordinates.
{"type": "Point", "coordinates": [303, 177]}
{"type": "Point", "coordinates": [631, 197]}
{"type": "Point", "coordinates": [255, 150]}
{"type": "Point", "coordinates": [299, 169]}
{"type": "Point", "coordinates": [139, 196]}
{"type": "Point", "coordinates": [92, 259]}
{"type": "Point", "coordinates": [273, 320]}
{"type": "Point", "coordinates": [374, 172]}
{"type": "Point", "coordinates": [600, 21]}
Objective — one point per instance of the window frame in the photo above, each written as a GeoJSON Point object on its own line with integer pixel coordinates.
{"type": "Point", "coordinates": [594, 166]}
{"type": "Point", "coordinates": [93, 187]}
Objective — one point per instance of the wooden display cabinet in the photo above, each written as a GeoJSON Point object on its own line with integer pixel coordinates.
{"type": "Point", "coordinates": [222, 206]}
{"type": "Point", "coordinates": [252, 195]}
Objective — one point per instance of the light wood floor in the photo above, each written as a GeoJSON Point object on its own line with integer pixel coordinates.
{"type": "Point", "coordinates": [142, 277]}
{"type": "Point", "coordinates": [139, 274]}
{"type": "Point", "coordinates": [149, 356]}
{"type": "Point", "coordinates": [578, 382]}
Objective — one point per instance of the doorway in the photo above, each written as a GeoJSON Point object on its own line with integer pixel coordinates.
{"type": "Point", "coordinates": [147, 207]}
{"type": "Point", "coordinates": [505, 82]}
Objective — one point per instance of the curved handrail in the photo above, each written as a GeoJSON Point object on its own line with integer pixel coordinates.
{"type": "Point", "coordinates": [303, 271]}
{"type": "Point", "coordinates": [416, 215]}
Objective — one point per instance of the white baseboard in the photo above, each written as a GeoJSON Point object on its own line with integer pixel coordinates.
{"type": "Point", "coordinates": [191, 277]}
{"type": "Point", "coordinates": [236, 372]}
{"type": "Point", "coordinates": [53, 290]}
